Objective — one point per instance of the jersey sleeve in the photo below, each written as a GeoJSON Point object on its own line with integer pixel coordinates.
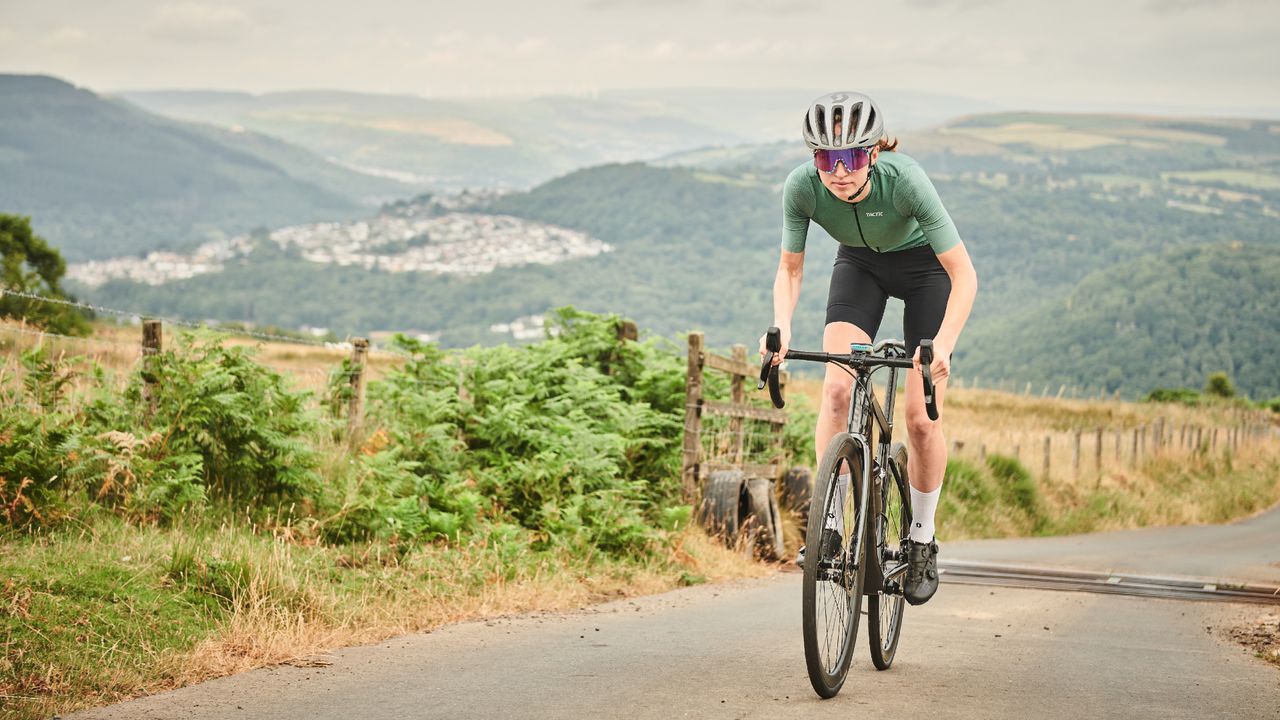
{"type": "Point", "coordinates": [798, 204]}
{"type": "Point", "coordinates": [916, 197]}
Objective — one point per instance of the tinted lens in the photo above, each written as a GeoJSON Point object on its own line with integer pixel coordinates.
{"type": "Point", "coordinates": [854, 159]}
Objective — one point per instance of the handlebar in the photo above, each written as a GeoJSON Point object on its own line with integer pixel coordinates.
{"type": "Point", "coordinates": [773, 345]}
{"type": "Point", "coordinates": [926, 373]}
{"type": "Point", "coordinates": [769, 373]}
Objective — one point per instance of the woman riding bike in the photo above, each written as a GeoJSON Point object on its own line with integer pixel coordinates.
{"type": "Point", "coordinates": [895, 239]}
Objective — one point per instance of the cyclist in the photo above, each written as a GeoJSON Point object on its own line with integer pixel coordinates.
{"type": "Point", "coordinates": [895, 239]}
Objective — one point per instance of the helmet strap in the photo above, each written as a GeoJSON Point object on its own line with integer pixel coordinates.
{"type": "Point", "coordinates": [871, 168]}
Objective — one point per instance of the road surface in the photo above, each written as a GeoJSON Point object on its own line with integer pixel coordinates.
{"type": "Point", "coordinates": [734, 650]}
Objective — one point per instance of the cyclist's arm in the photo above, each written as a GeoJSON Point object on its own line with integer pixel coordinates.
{"type": "Point", "coordinates": [964, 287]}
{"type": "Point", "coordinates": [798, 204]}
{"type": "Point", "coordinates": [786, 291]}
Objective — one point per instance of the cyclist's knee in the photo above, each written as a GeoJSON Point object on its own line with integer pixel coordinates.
{"type": "Point", "coordinates": [835, 396]}
{"type": "Point", "coordinates": [919, 426]}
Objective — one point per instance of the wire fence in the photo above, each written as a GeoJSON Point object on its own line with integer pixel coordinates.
{"type": "Point", "coordinates": [347, 369]}
{"type": "Point", "coordinates": [137, 317]}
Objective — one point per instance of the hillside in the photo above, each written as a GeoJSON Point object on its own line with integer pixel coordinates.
{"type": "Point", "coordinates": [696, 247]}
{"type": "Point", "coordinates": [101, 178]}
{"type": "Point", "coordinates": [1164, 320]}
{"type": "Point", "coordinates": [522, 141]}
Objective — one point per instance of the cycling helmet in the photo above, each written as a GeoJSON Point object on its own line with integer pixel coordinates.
{"type": "Point", "coordinates": [860, 122]}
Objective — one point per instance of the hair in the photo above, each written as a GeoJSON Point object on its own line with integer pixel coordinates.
{"type": "Point", "coordinates": [887, 145]}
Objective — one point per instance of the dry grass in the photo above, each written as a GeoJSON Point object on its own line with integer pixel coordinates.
{"type": "Point", "coordinates": [1229, 474]}
{"type": "Point", "coordinates": [433, 588]}
{"type": "Point", "coordinates": [119, 348]}
{"type": "Point", "coordinates": [235, 598]}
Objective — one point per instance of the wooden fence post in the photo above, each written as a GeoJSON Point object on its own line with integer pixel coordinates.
{"type": "Point", "coordinates": [1046, 457]}
{"type": "Point", "coordinates": [1133, 455]}
{"type": "Point", "coordinates": [1119, 440]}
{"type": "Point", "coordinates": [982, 452]}
{"type": "Point", "coordinates": [355, 404]}
{"type": "Point", "coordinates": [152, 343]}
{"type": "Point", "coordinates": [736, 434]}
{"type": "Point", "coordinates": [1075, 457]}
{"type": "Point", "coordinates": [692, 419]}
{"type": "Point", "coordinates": [1213, 444]}
{"type": "Point", "coordinates": [1097, 451]}
{"type": "Point", "coordinates": [1157, 435]}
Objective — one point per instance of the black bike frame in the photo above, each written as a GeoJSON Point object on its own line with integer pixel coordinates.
{"type": "Point", "coordinates": [864, 407]}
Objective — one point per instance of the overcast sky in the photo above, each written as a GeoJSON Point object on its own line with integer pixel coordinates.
{"type": "Point", "coordinates": [1170, 55]}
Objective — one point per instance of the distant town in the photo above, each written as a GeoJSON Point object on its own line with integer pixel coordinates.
{"type": "Point", "coordinates": [427, 235]}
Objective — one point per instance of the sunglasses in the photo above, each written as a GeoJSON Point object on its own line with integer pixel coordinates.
{"type": "Point", "coordinates": [854, 159]}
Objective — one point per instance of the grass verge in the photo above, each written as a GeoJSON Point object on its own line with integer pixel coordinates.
{"type": "Point", "coordinates": [100, 614]}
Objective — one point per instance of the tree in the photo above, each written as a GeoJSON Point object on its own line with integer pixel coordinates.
{"type": "Point", "coordinates": [29, 265]}
{"type": "Point", "coordinates": [1219, 384]}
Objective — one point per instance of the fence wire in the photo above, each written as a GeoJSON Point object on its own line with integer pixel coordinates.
{"type": "Point", "coordinates": [136, 316]}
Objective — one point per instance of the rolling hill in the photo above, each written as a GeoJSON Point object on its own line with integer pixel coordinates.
{"type": "Point", "coordinates": [519, 142]}
{"type": "Point", "coordinates": [1053, 209]}
{"type": "Point", "coordinates": [102, 178]}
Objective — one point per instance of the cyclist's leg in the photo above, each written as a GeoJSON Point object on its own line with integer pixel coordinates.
{"type": "Point", "coordinates": [855, 305]}
{"type": "Point", "coordinates": [925, 306]}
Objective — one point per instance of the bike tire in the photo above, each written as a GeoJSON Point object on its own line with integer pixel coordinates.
{"type": "Point", "coordinates": [831, 599]}
{"type": "Point", "coordinates": [885, 611]}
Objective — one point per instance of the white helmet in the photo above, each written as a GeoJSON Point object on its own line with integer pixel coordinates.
{"type": "Point", "coordinates": [860, 124]}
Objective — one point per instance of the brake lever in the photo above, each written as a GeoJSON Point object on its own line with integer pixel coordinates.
{"type": "Point", "coordinates": [769, 373]}
{"type": "Point", "coordinates": [926, 373]}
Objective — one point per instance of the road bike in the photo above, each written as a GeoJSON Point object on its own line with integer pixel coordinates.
{"type": "Point", "coordinates": [856, 541]}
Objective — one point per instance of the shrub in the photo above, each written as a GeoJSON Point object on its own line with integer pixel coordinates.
{"type": "Point", "coordinates": [1186, 396]}
{"type": "Point", "coordinates": [226, 421]}
{"type": "Point", "coordinates": [1019, 488]}
{"type": "Point", "coordinates": [1219, 385]}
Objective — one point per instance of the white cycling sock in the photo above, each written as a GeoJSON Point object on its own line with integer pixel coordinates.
{"type": "Point", "coordinates": [835, 519]}
{"type": "Point", "coordinates": [922, 507]}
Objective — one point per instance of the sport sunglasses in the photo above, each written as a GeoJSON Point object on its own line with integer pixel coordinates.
{"type": "Point", "coordinates": [854, 159]}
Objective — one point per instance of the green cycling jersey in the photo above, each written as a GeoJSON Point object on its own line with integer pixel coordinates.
{"type": "Point", "coordinates": [901, 212]}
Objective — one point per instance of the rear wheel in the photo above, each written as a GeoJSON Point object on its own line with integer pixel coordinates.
{"type": "Point", "coordinates": [832, 588]}
{"type": "Point", "coordinates": [893, 522]}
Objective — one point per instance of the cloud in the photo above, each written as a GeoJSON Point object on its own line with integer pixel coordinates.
{"type": "Point", "coordinates": [64, 37]}
{"type": "Point", "coordinates": [197, 22]}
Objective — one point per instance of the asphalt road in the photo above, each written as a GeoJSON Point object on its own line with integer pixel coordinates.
{"type": "Point", "coordinates": [734, 651]}
{"type": "Point", "coordinates": [1248, 550]}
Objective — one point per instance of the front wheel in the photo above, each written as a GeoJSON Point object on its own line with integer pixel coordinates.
{"type": "Point", "coordinates": [893, 522]}
{"type": "Point", "coordinates": [833, 566]}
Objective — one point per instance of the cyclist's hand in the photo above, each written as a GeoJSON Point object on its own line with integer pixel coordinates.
{"type": "Point", "coordinates": [941, 366]}
{"type": "Point", "coordinates": [785, 333]}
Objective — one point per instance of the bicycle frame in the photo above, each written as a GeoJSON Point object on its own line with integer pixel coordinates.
{"type": "Point", "coordinates": [864, 409]}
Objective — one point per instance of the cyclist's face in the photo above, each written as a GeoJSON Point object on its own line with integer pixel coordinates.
{"type": "Point", "coordinates": [842, 183]}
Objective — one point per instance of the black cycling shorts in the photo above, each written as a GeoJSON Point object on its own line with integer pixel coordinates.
{"type": "Point", "coordinates": [863, 280]}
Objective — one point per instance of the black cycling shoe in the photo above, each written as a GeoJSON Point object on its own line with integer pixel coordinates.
{"type": "Point", "coordinates": [922, 571]}
{"type": "Point", "coordinates": [830, 540]}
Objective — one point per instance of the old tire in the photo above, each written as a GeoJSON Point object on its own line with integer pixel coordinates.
{"type": "Point", "coordinates": [797, 491]}
{"type": "Point", "coordinates": [764, 520]}
{"type": "Point", "coordinates": [724, 504]}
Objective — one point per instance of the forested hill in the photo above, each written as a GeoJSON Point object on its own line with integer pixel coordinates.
{"type": "Point", "coordinates": [1046, 214]}
{"type": "Point", "coordinates": [1167, 319]}
{"type": "Point", "coordinates": [689, 253]}
{"type": "Point", "coordinates": [101, 178]}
